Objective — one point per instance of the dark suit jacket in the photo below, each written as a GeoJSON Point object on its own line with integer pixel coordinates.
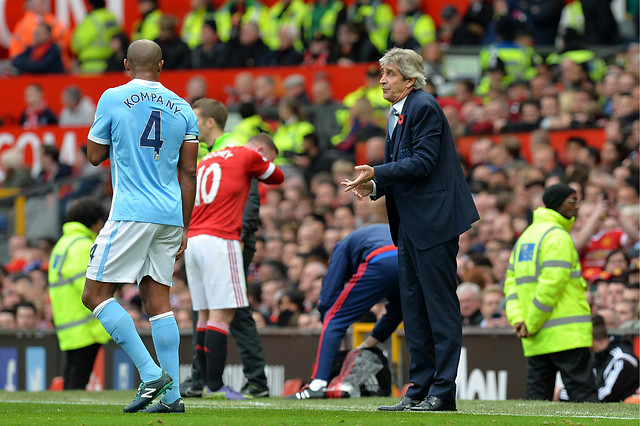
{"type": "Point", "coordinates": [422, 178]}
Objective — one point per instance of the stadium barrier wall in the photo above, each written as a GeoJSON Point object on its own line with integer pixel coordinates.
{"type": "Point", "coordinates": [31, 360]}
{"type": "Point", "coordinates": [492, 365]}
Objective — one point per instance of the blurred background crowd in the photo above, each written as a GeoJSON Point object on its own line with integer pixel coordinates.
{"type": "Point", "coordinates": [520, 89]}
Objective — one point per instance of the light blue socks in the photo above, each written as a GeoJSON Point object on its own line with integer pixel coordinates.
{"type": "Point", "coordinates": [118, 323]}
{"type": "Point", "coordinates": [166, 339]}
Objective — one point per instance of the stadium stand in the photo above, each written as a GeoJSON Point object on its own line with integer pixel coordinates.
{"type": "Point", "coordinates": [580, 102]}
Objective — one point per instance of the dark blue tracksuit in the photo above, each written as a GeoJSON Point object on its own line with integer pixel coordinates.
{"type": "Point", "coordinates": [363, 271]}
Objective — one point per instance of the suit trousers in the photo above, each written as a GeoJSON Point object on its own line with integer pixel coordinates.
{"type": "Point", "coordinates": [79, 365]}
{"type": "Point", "coordinates": [574, 366]}
{"type": "Point", "coordinates": [244, 331]}
{"type": "Point", "coordinates": [432, 320]}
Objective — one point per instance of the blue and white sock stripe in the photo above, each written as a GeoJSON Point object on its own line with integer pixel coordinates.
{"type": "Point", "coordinates": [161, 316]}
{"type": "Point", "coordinates": [101, 306]}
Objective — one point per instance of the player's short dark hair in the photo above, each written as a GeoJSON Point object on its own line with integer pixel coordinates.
{"type": "Point", "coordinates": [212, 108]}
{"type": "Point", "coordinates": [86, 210]}
{"type": "Point", "coordinates": [265, 140]}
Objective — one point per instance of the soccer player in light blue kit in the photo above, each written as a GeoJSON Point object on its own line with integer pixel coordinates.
{"type": "Point", "coordinates": [149, 134]}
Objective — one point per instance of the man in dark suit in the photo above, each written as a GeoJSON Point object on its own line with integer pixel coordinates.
{"type": "Point", "coordinates": [429, 205]}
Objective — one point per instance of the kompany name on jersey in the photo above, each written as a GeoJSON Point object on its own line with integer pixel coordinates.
{"type": "Point", "coordinates": [150, 97]}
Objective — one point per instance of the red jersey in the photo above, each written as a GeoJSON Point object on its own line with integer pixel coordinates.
{"type": "Point", "coordinates": [222, 189]}
{"type": "Point", "coordinates": [597, 250]}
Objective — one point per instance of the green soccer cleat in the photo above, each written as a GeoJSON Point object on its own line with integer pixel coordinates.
{"type": "Point", "coordinates": [224, 392]}
{"type": "Point", "coordinates": [254, 391]}
{"type": "Point", "coordinates": [147, 392]}
{"type": "Point", "coordinates": [176, 406]}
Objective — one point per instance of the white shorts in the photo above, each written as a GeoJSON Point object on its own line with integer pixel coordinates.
{"type": "Point", "coordinates": [125, 252]}
{"type": "Point", "coordinates": [215, 273]}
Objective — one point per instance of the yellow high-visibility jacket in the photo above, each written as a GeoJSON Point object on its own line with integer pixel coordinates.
{"type": "Point", "coordinates": [545, 289]}
{"type": "Point", "coordinates": [75, 325]}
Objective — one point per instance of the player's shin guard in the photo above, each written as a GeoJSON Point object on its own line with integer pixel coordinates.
{"type": "Point", "coordinates": [166, 339]}
{"type": "Point", "coordinates": [216, 353]}
{"type": "Point", "coordinates": [118, 323]}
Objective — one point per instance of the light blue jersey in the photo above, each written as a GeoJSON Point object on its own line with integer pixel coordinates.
{"type": "Point", "coordinates": [145, 125]}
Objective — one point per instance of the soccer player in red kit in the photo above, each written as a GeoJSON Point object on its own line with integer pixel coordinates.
{"type": "Point", "coordinates": [213, 258]}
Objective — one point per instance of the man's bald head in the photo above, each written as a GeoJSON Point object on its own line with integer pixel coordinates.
{"type": "Point", "coordinates": [144, 55]}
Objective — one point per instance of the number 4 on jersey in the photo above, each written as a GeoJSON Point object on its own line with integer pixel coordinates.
{"type": "Point", "coordinates": [151, 134]}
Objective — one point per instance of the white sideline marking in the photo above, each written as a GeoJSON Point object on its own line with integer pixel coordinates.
{"type": "Point", "coordinates": [256, 404]}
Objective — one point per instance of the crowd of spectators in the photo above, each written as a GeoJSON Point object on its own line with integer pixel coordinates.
{"type": "Point", "coordinates": [292, 32]}
{"type": "Point", "coordinates": [302, 220]}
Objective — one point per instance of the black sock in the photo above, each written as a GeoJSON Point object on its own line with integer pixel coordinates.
{"type": "Point", "coordinates": [200, 352]}
{"type": "Point", "coordinates": [215, 343]}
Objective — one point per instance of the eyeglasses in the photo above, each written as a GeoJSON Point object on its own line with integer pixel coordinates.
{"type": "Point", "coordinates": [572, 200]}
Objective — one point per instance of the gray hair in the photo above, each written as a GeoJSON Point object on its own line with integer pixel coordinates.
{"type": "Point", "coordinates": [409, 63]}
{"type": "Point", "coordinates": [469, 287]}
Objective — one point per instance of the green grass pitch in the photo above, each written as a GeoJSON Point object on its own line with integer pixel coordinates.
{"type": "Point", "coordinates": [88, 408]}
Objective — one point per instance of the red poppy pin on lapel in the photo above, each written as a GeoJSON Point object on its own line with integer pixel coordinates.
{"type": "Point", "coordinates": [400, 118]}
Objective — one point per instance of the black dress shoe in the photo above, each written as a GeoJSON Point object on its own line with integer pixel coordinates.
{"type": "Point", "coordinates": [404, 405]}
{"type": "Point", "coordinates": [433, 403]}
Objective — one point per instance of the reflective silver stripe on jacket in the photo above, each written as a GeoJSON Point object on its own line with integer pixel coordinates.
{"type": "Point", "coordinates": [512, 296]}
{"type": "Point", "coordinates": [510, 267]}
{"type": "Point", "coordinates": [566, 320]}
{"type": "Point", "coordinates": [544, 308]}
{"type": "Point", "coordinates": [75, 323]}
{"type": "Point", "coordinates": [528, 279]}
{"type": "Point", "coordinates": [556, 264]}
{"type": "Point", "coordinates": [64, 281]}
{"type": "Point", "coordinates": [538, 266]}
{"type": "Point", "coordinates": [67, 281]}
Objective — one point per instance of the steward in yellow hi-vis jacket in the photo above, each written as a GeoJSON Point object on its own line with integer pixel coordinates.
{"type": "Point", "coordinates": [546, 301]}
{"type": "Point", "coordinates": [91, 40]}
{"type": "Point", "coordinates": [80, 334]}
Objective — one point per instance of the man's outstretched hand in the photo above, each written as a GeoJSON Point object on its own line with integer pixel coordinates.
{"type": "Point", "coordinates": [362, 185]}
